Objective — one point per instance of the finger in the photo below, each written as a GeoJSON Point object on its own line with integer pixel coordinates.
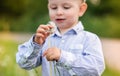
{"type": "Point", "coordinates": [41, 30]}
{"type": "Point", "coordinates": [49, 58]}
{"type": "Point", "coordinates": [45, 53]}
{"type": "Point", "coordinates": [50, 26]}
{"type": "Point", "coordinates": [48, 55]}
{"type": "Point", "coordinates": [51, 29]}
{"type": "Point", "coordinates": [46, 27]}
{"type": "Point", "coordinates": [46, 31]}
{"type": "Point", "coordinates": [42, 34]}
{"type": "Point", "coordinates": [39, 35]}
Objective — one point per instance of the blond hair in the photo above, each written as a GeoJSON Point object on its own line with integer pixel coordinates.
{"type": "Point", "coordinates": [84, 0]}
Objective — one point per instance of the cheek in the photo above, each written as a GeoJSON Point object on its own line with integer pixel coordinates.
{"type": "Point", "coordinates": [51, 15]}
{"type": "Point", "coordinates": [72, 19]}
{"type": "Point", "coordinates": [72, 16]}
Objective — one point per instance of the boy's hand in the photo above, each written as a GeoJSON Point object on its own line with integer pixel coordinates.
{"type": "Point", "coordinates": [52, 54]}
{"type": "Point", "coordinates": [42, 33]}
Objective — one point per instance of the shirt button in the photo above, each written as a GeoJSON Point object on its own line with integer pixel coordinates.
{"type": "Point", "coordinates": [63, 41]}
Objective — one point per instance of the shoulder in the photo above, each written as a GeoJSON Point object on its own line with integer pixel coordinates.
{"type": "Point", "coordinates": [89, 36]}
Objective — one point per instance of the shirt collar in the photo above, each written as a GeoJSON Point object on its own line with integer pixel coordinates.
{"type": "Point", "coordinates": [79, 27]}
{"type": "Point", "coordinates": [75, 30]}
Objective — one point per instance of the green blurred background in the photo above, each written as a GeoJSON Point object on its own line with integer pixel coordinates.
{"type": "Point", "coordinates": [24, 16]}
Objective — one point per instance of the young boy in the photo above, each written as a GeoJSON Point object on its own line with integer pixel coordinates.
{"type": "Point", "coordinates": [69, 51]}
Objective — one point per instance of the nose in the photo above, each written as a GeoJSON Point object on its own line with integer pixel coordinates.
{"type": "Point", "coordinates": [59, 11]}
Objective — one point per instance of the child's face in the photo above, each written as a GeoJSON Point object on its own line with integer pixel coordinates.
{"type": "Point", "coordinates": [64, 13]}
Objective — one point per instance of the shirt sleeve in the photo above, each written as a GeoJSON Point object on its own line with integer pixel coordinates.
{"type": "Point", "coordinates": [28, 55]}
{"type": "Point", "coordinates": [89, 62]}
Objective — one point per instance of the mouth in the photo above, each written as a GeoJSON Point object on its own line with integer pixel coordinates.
{"type": "Point", "coordinates": [60, 20]}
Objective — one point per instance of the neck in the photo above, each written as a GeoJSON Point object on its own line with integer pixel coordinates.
{"type": "Point", "coordinates": [63, 31]}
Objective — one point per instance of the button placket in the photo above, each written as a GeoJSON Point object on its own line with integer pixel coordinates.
{"type": "Point", "coordinates": [62, 43]}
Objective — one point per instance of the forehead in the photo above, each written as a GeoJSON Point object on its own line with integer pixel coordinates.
{"type": "Point", "coordinates": [63, 1]}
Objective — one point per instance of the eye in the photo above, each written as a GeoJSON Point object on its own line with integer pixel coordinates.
{"type": "Point", "coordinates": [66, 7]}
{"type": "Point", "coordinates": [54, 8]}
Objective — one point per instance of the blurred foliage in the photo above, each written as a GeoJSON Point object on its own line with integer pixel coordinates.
{"type": "Point", "coordinates": [110, 72]}
{"type": "Point", "coordinates": [102, 16]}
{"type": "Point", "coordinates": [8, 65]}
{"type": "Point", "coordinates": [22, 15]}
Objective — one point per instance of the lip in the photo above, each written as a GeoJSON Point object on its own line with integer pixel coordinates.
{"type": "Point", "coordinates": [60, 20]}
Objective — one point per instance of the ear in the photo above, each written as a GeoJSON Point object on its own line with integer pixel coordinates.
{"type": "Point", "coordinates": [83, 8]}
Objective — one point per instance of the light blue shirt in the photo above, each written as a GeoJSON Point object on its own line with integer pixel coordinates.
{"type": "Point", "coordinates": [81, 54]}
